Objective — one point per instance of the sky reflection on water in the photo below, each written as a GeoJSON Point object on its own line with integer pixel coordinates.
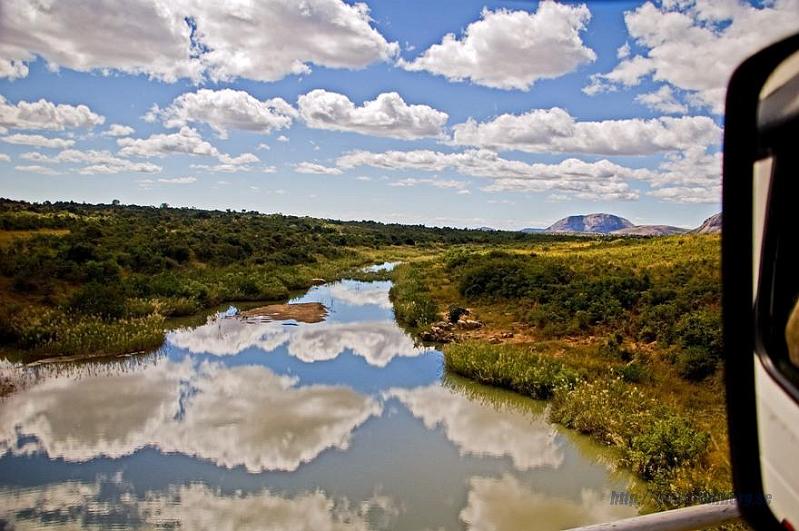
{"type": "Point", "coordinates": [344, 424]}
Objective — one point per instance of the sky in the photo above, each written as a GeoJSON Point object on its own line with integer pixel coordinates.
{"type": "Point", "coordinates": [448, 113]}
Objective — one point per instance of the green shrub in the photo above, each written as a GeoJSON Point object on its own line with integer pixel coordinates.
{"type": "Point", "coordinates": [517, 368]}
{"type": "Point", "coordinates": [413, 305]}
{"type": "Point", "coordinates": [610, 410]}
{"type": "Point", "coordinates": [635, 372]}
{"type": "Point", "coordinates": [696, 363]}
{"type": "Point", "coordinates": [668, 443]}
{"type": "Point", "coordinates": [613, 348]}
{"type": "Point", "coordinates": [701, 329]}
{"type": "Point", "coordinates": [103, 300]}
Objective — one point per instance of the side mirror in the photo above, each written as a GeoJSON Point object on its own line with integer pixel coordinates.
{"type": "Point", "coordinates": [760, 272]}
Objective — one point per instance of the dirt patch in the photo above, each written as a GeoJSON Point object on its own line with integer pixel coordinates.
{"type": "Point", "coordinates": [303, 312]}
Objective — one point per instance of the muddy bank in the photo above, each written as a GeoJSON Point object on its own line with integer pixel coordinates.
{"type": "Point", "coordinates": [303, 312]}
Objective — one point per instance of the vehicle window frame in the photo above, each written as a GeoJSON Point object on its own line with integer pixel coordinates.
{"type": "Point", "coordinates": [742, 149]}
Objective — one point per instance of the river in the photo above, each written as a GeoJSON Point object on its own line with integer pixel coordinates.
{"type": "Point", "coordinates": [253, 424]}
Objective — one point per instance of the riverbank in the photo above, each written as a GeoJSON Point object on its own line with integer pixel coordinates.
{"type": "Point", "coordinates": [620, 335]}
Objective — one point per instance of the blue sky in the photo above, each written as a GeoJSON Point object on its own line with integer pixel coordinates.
{"type": "Point", "coordinates": [505, 114]}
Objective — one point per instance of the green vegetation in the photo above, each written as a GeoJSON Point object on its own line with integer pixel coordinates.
{"type": "Point", "coordinates": [413, 304]}
{"type": "Point", "coordinates": [623, 335]}
{"type": "Point", "coordinates": [519, 369]}
{"type": "Point", "coordinates": [105, 276]}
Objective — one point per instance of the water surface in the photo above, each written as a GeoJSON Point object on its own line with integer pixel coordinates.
{"type": "Point", "coordinates": [343, 424]}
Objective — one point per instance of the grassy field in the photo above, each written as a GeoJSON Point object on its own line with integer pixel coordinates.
{"type": "Point", "coordinates": [78, 279]}
{"type": "Point", "coordinates": [621, 335]}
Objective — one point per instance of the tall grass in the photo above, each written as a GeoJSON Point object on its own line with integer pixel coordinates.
{"type": "Point", "coordinates": [520, 369]}
{"type": "Point", "coordinates": [414, 306]}
{"type": "Point", "coordinates": [52, 332]}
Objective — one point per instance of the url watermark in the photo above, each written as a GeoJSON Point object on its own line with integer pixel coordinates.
{"type": "Point", "coordinates": [623, 497]}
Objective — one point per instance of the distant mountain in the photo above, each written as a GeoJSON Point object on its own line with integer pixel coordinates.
{"type": "Point", "coordinates": [593, 223]}
{"type": "Point", "coordinates": [650, 230]}
{"type": "Point", "coordinates": [530, 230]}
{"type": "Point", "coordinates": [486, 229]}
{"type": "Point", "coordinates": [711, 225]}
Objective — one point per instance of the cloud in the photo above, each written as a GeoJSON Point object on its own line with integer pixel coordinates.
{"type": "Point", "coordinates": [447, 184]}
{"type": "Point", "coordinates": [693, 176]}
{"type": "Point", "coordinates": [38, 141]}
{"type": "Point", "coordinates": [505, 503]}
{"type": "Point", "coordinates": [555, 130]}
{"type": "Point", "coordinates": [103, 162]}
{"type": "Point", "coordinates": [589, 180]}
{"type": "Point", "coordinates": [377, 342]}
{"type": "Point", "coordinates": [238, 416]}
{"type": "Point", "coordinates": [662, 100]}
{"type": "Point", "coordinates": [4, 158]}
{"type": "Point", "coordinates": [13, 69]}
{"type": "Point", "coordinates": [227, 168]}
{"type": "Point", "coordinates": [263, 41]}
{"type": "Point", "coordinates": [311, 167]}
{"type": "Point", "coordinates": [623, 51]}
{"type": "Point", "coordinates": [225, 109]}
{"type": "Point", "coordinates": [186, 141]}
{"type": "Point", "coordinates": [361, 294]}
{"type": "Point", "coordinates": [244, 158]}
{"type": "Point", "coordinates": [118, 130]}
{"type": "Point", "coordinates": [481, 430]}
{"type": "Point", "coordinates": [282, 138]}
{"type": "Point", "coordinates": [197, 506]}
{"type": "Point", "coordinates": [544, 44]}
{"type": "Point", "coordinates": [695, 45]}
{"type": "Point", "coordinates": [179, 180]}
{"type": "Point", "coordinates": [44, 170]}
{"type": "Point", "coordinates": [43, 114]}
{"type": "Point", "coordinates": [387, 115]}
{"type": "Point", "coordinates": [77, 504]}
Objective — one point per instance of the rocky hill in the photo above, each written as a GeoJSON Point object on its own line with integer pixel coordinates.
{"type": "Point", "coordinates": [711, 225]}
{"type": "Point", "coordinates": [593, 223]}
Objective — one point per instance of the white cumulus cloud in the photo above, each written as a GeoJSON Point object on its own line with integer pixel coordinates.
{"type": "Point", "coordinates": [555, 130]}
{"type": "Point", "coordinates": [38, 141]}
{"type": "Point", "coordinates": [225, 109]}
{"type": "Point", "coordinates": [44, 114]}
{"type": "Point", "coordinates": [191, 39]}
{"type": "Point", "coordinates": [179, 180]}
{"type": "Point", "coordinates": [186, 141]}
{"type": "Point", "coordinates": [117, 130]}
{"type": "Point", "coordinates": [512, 49]}
{"type": "Point", "coordinates": [388, 115]}
{"type": "Point", "coordinates": [96, 161]}
{"type": "Point", "coordinates": [312, 167]}
{"type": "Point", "coordinates": [695, 45]}
{"type": "Point", "coordinates": [662, 100]}
{"type": "Point", "coordinates": [44, 170]}
{"type": "Point", "coordinates": [590, 180]}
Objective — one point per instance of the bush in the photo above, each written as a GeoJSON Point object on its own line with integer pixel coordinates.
{"type": "Point", "coordinates": [102, 300]}
{"type": "Point", "coordinates": [668, 443]}
{"type": "Point", "coordinates": [696, 363]}
{"type": "Point", "coordinates": [701, 329]}
{"type": "Point", "coordinates": [413, 305]}
{"type": "Point", "coordinates": [635, 372]}
{"type": "Point", "coordinates": [512, 367]}
{"type": "Point", "coordinates": [613, 348]}
{"type": "Point", "coordinates": [454, 313]}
